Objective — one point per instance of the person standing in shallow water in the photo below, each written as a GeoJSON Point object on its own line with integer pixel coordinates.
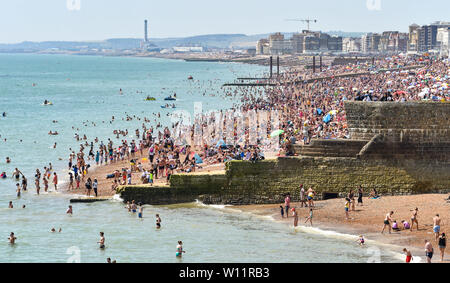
{"type": "Point", "coordinates": [18, 190]}
{"type": "Point", "coordinates": [102, 240]}
{"type": "Point", "coordinates": [310, 217]}
{"type": "Point", "coordinates": [55, 181]}
{"type": "Point", "coordinates": [180, 249]}
{"type": "Point", "coordinates": [408, 254]}
{"type": "Point", "coordinates": [436, 226]}
{"type": "Point", "coordinates": [295, 215]}
{"type": "Point", "coordinates": [442, 245]}
{"type": "Point", "coordinates": [428, 251]}
{"type": "Point", "coordinates": [287, 204]}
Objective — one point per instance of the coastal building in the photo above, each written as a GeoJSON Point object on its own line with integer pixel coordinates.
{"type": "Point", "coordinates": [350, 45]}
{"type": "Point", "coordinates": [334, 44]}
{"type": "Point", "coordinates": [262, 47]}
{"type": "Point", "coordinates": [278, 45]}
{"type": "Point", "coordinates": [393, 41]}
{"type": "Point", "coordinates": [298, 40]}
{"type": "Point", "coordinates": [443, 39]}
{"type": "Point", "coordinates": [370, 43]}
{"type": "Point", "coordinates": [427, 37]}
{"type": "Point", "coordinates": [187, 49]}
{"type": "Point", "coordinates": [299, 43]}
{"type": "Point", "coordinates": [413, 38]}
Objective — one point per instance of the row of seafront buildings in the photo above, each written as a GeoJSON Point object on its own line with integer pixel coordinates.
{"type": "Point", "coordinates": [433, 38]}
{"type": "Point", "coordinates": [305, 42]}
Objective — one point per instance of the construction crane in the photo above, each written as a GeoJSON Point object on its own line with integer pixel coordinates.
{"type": "Point", "coordinates": [307, 21]}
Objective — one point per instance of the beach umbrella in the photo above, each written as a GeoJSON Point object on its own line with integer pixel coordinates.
{"type": "Point", "coordinates": [327, 118]}
{"type": "Point", "coordinates": [276, 133]}
{"type": "Point", "coordinates": [144, 160]}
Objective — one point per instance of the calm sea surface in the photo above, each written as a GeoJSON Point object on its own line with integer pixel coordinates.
{"type": "Point", "coordinates": [85, 89]}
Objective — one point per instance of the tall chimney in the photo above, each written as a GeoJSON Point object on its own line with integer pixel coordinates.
{"type": "Point", "coordinates": [145, 31]}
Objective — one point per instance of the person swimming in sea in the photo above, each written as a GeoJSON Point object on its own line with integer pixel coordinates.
{"type": "Point", "coordinates": [12, 238]}
{"type": "Point", "coordinates": [158, 221]}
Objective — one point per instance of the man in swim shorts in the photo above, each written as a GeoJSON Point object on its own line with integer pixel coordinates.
{"type": "Point", "coordinates": [387, 222]}
{"type": "Point", "coordinates": [436, 226]}
{"type": "Point", "coordinates": [102, 240]}
{"type": "Point", "coordinates": [409, 256]}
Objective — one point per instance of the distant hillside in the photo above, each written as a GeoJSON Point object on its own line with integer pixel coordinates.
{"type": "Point", "coordinates": [119, 43]}
{"type": "Point", "coordinates": [220, 41]}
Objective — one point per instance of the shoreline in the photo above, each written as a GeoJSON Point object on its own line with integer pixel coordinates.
{"type": "Point", "coordinates": [367, 220]}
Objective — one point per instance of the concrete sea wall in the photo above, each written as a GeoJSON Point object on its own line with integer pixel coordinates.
{"type": "Point", "coordinates": [267, 181]}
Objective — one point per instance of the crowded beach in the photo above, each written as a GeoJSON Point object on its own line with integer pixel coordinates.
{"type": "Point", "coordinates": [151, 154]}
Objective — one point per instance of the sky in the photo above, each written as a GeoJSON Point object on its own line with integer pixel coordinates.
{"type": "Point", "coordinates": [78, 20]}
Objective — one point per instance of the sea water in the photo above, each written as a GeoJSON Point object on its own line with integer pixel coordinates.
{"type": "Point", "coordinates": [85, 89]}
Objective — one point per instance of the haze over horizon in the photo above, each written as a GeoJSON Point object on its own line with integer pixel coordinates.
{"type": "Point", "coordinates": [56, 20]}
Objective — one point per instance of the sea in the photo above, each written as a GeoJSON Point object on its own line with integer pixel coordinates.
{"type": "Point", "coordinates": [85, 94]}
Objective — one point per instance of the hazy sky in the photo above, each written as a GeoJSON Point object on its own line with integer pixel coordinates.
{"type": "Point", "coordinates": [40, 20]}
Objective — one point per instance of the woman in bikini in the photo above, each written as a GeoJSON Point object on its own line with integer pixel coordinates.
{"type": "Point", "coordinates": [414, 219]}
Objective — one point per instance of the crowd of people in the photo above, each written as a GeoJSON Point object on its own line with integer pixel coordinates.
{"type": "Point", "coordinates": [308, 110]}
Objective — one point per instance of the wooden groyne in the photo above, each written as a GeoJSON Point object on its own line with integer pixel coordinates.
{"type": "Point", "coordinates": [268, 83]}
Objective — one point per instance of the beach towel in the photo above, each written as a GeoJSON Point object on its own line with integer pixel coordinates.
{"type": "Point", "coordinates": [327, 118]}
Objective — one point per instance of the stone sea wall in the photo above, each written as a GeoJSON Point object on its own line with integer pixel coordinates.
{"type": "Point", "coordinates": [267, 181]}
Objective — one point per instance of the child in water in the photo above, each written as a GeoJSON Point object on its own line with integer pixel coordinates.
{"type": "Point", "coordinates": [361, 240]}
{"type": "Point", "coordinates": [282, 211]}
